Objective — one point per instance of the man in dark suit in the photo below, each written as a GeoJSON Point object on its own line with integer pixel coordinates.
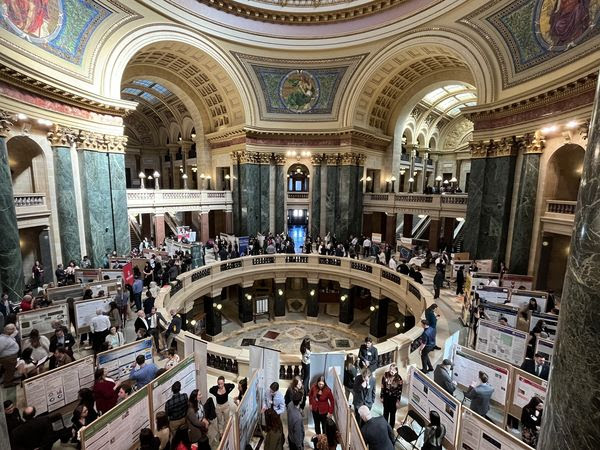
{"type": "Point", "coordinates": [36, 432]}
{"type": "Point", "coordinates": [63, 338]}
{"type": "Point", "coordinates": [154, 320]}
{"type": "Point", "coordinates": [480, 395]}
{"type": "Point", "coordinates": [442, 375]}
{"type": "Point", "coordinates": [363, 393]}
{"type": "Point", "coordinates": [537, 366]}
{"type": "Point", "coordinates": [368, 356]}
{"type": "Point", "coordinates": [377, 433]}
{"type": "Point", "coordinates": [141, 322]}
{"type": "Point", "coordinates": [173, 329]}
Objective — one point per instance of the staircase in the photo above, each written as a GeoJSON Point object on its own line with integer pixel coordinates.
{"type": "Point", "coordinates": [135, 233]}
{"type": "Point", "coordinates": [172, 222]}
{"type": "Point", "coordinates": [421, 227]}
{"type": "Point", "coordinates": [459, 236]}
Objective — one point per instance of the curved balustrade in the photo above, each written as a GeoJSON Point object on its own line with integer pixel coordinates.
{"type": "Point", "coordinates": [382, 282]}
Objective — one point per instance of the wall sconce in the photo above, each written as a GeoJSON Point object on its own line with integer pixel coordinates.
{"type": "Point", "coordinates": [393, 179]}
{"type": "Point", "coordinates": [142, 176]}
{"type": "Point", "coordinates": [312, 292]}
{"type": "Point", "coordinates": [248, 297]}
{"type": "Point", "coordinates": [193, 136]}
{"type": "Point", "coordinates": [184, 177]}
{"type": "Point", "coordinates": [343, 298]}
{"type": "Point", "coordinates": [193, 323]}
{"type": "Point", "coordinates": [194, 169]}
{"type": "Point", "coordinates": [411, 180]}
{"type": "Point", "coordinates": [280, 291]}
{"type": "Point", "coordinates": [372, 308]}
{"type": "Point", "coordinates": [156, 176]}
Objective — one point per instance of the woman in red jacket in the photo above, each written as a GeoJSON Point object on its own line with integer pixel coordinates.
{"type": "Point", "coordinates": [104, 391]}
{"type": "Point", "coordinates": [321, 403]}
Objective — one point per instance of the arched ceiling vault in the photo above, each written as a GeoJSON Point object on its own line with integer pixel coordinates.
{"type": "Point", "coordinates": [150, 95]}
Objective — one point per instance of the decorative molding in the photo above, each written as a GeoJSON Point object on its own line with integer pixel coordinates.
{"type": "Point", "coordinates": [534, 143]}
{"type": "Point", "coordinates": [317, 160]}
{"type": "Point", "coordinates": [87, 140]}
{"type": "Point", "coordinates": [331, 159]}
{"type": "Point", "coordinates": [506, 146]}
{"type": "Point", "coordinates": [5, 123]}
{"type": "Point", "coordinates": [115, 144]}
{"type": "Point", "coordinates": [279, 159]}
{"type": "Point", "coordinates": [61, 136]}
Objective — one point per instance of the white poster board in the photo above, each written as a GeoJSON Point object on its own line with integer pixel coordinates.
{"type": "Point", "coordinates": [492, 294]}
{"type": "Point", "coordinates": [517, 281]}
{"type": "Point", "coordinates": [184, 372]}
{"type": "Point", "coordinates": [424, 396]}
{"type": "Point", "coordinates": [505, 343]}
{"type": "Point", "coordinates": [266, 362]}
{"type": "Point", "coordinates": [495, 312]}
{"type": "Point", "coordinates": [476, 433]}
{"type": "Point", "coordinates": [545, 346]}
{"type": "Point", "coordinates": [56, 388]}
{"type": "Point", "coordinates": [42, 320]}
{"type": "Point", "coordinates": [85, 311]}
{"type": "Point", "coordinates": [551, 321]}
{"type": "Point", "coordinates": [320, 363]}
{"type": "Point", "coordinates": [484, 265]}
{"type": "Point", "coordinates": [526, 388]}
{"type": "Point", "coordinates": [355, 437]}
{"type": "Point", "coordinates": [521, 298]}
{"type": "Point", "coordinates": [248, 412]}
{"type": "Point", "coordinates": [467, 365]}
{"type": "Point", "coordinates": [340, 410]}
{"type": "Point", "coordinates": [376, 238]}
{"type": "Point", "coordinates": [119, 428]}
{"type": "Point", "coordinates": [193, 345]}
{"type": "Point", "coordinates": [450, 344]}
{"type": "Point", "coordinates": [456, 264]}
{"type": "Point", "coordinates": [119, 361]}
{"type": "Point", "coordinates": [482, 278]}
{"type": "Point", "coordinates": [228, 439]}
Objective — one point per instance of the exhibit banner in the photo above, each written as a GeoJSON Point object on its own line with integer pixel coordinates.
{"type": "Point", "coordinates": [545, 346]}
{"type": "Point", "coordinates": [341, 410]}
{"type": "Point", "coordinates": [505, 343]}
{"type": "Point", "coordinates": [85, 311]}
{"type": "Point", "coordinates": [468, 364]}
{"type": "Point", "coordinates": [355, 437]}
{"type": "Point", "coordinates": [425, 395]}
{"type": "Point", "coordinates": [496, 312]}
{"type": "Point", "coordinates": [525, 386]}
{"type": "Point", "coordinates": [476, 433]}
{"type": "Point", "coordinates": [244, 242]}
{"type": "Point", "coordinates": [520, 298]}
{"type": "Point", "coordinates": [550, 320]}
{"type": "Point", "coordinates": [492, 294]}
{"type": "Point", "coordinates": [194, 345]}
{"type": "Point", "coordinates": [128, 274]}
{"type": "Point", "coordinates": [228, 439]}
{"type": "Point", "coordinates": [118, 362]}
{"type": "Point", "coordinates": [512, 281]}
{"type": "Point", "coordinates": [43, 320]}
{"type": "Point", "coordinates": [119, 428]}
{"type": "Point", "coordinates": [248, 411]}
{"type": "Point", "coordinates": [59, 387]}
{"type": "Point", "coordinates": [184, 372]}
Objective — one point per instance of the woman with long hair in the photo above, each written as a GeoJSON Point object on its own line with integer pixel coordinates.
{"type": "Point", "coordinates": [274, 439]}
{"type": "Point", "coordinates": [531, 420]}
{"type": "Point", "coordinates": [148, 274]}
{"type": "Point", "coordinates": [350, 372]}
{"type": "Point", "coordinates": [115, 316]}
{"type": "Point", "coordinates": [242, 388]}
{"type": "Point", "coordinates": [305, 355]}
{"type": "Point", "coordinates": [197, 423]}
{"type": "Point", "coordinates": [80, 419]}
{"type": "Point", "coordinates": [104, 391]}
{"type": "Point", "coordinates": [321, 403]}
{"type": "Point", "coordinates": [391, 394]}
{"type": "Point", "coordinates": [295, 386]}
{"type": "Point", "coordinates": [434, 433]}
{"type": "Point", "coordinates": [330, 438]}
{"type": "Point", "coordinates": [163, 432]}
{"type": "Point", "coordinates": [86, 398]}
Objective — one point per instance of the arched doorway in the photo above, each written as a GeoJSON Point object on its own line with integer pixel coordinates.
{"type": "Point", "coordinates": [298, 185]}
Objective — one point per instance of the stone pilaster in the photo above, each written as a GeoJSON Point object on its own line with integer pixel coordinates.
{"type": "Point", "coordinates": [378, 322]}
{"type": "Point", "coordinates": [279, 300]}
{"type": "Point", "coordinates": [213, 315]}
{"type": "Point", "coordinates": [572, 403]}
{"type": "Point", "coordinates": [312, 300]}
{"type": "Point", "coordinates": [11, 263]}
{"type": "Point", "coordinates": [316, 195]}
{"type": "Point", "coordinates": [245, 304]}
{"type": "Point", "coordinates": [61, 140]}
{"type": "Point", "coordinates": [347, 305]}
{"type": "Point", "coordinates": [332, 194]}
{"type": "Point", "coordinates": [175, 175]}
{"type": "Point", "coordinates": [280, 186]}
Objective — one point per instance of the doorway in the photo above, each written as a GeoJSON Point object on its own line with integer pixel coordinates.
{"type": "Point", "coordinates": [297, 221]}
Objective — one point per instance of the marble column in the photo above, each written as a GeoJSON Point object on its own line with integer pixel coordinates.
{"type": "Point", "coordinates": [11, 263]}
{"type": "Point", "coordinates": [347, 305]}
{"type": "Point", "coordinates": [213, 315]}
{"type": "Point", "coordinates": [315, 201]}
{"type": "Point", "coordinates": [66, 211]}
{"type": "Point", "coordinates": [118, 186]}
{"type": "Point", "coordinates": [312, 300]}
{"type": "Point", "coordinates": [525, 208]}
{"type": "Point", "coordinates": [245, 304]}
{"type": "Point", "coordinates": [434, 235]}
{"type": "Point", "coordinates": [238, 212]}
{"type": "Point", "coordinates": [378, 321]}
{"type": "Point", "coordinates": [280, 192]}
{"type": "Point", "coordinates": [473, 219]}
{"type": "Point", "coordinates": [229, 222]}
{"type": "Point", "coordinates": [367, 228]}
{"type": "Point", "coordinates": [350, 195]}
{"type": "Point", "coordinates": [204, 227]}
{"type": "Point", "coordinates": [159, 229]}
{"type": "Point", "coordinates": [251, 192]}
{"type": "Point", "coordinates": [449, 224]}
{"type": "Point", "coordinates": [572, 404]}
{"type": "Point", "coordinates": [331, 195]}
{"type": "Point", "coordinates": [407, 226]}
{"type": "Point", "coordinates": [279, 309]}
{"type": "Point", "coordinates": [174, 171]}
{"type": "Point", "coordinates": [46, 255]}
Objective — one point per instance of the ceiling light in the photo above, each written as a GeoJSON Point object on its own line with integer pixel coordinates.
{"type": "Point", "coordinates": [397, 325]}
{"type": "Point", "coordinates": [572, 124]}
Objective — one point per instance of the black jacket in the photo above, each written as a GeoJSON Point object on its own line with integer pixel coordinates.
{"type": "Point", "coordinates": [378, 434]}
{"type": "Point", "coordinates": [529, 367]}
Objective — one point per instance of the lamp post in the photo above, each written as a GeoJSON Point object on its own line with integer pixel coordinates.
{"type": "Point", "coordinates": [156, 175]}
{"type": "Point", "coordinates": [411, 180]}
{"type": "Point", "coordinates": [452, 181]}
{"type": "Point", "coordinates": [208, 178]}
{"type": "Point", "coordinates": [184, 177]}
{"type": "Point", "coordinates": [446, 182]}
{"type": "Point", "coordinates": [227, 182]}
{"type": "Point", "coordinates": [387, 185]}
{"type": "Point", "coordinates": [142, 176]}
{"type": "Point", "coordinates": [438, 181]}
{"type": "Point", "coordinates": [393, 179]}
{"type": "Point", "coordinates": [369, 184]}
{"type": "Point", "coordinates": [202, 178]}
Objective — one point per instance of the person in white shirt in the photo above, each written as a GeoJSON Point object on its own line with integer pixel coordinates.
{"type": "Point", "coordinates": [393, 264]}
{"type": "Point", "coordinates": [366, 248]}
{"type": "Point", "coordinates": [99, 326]}
{"type": "Point", "coordinates": [492, 282]}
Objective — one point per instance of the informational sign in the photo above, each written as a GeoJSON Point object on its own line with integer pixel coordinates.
{"type": "Point", "coordinates": [56, 388]}
{"type": "Point", "coordinates": [425, 395]}
{"type": "Point", "coordinates": [194, 345]}
{"type": "Point", "coordinates": [184, 372]}
{"type": "Point", "coordinates": [248, 412]}
{"type": "Point", "coordinates": [320, 363]}
{"type": "Point", "coordinates": [244, 243]}
{"type": "Point", "coordinates": [85, 311]}
{"type": "Point", "coordinates": [545, 346]}
{"type": "Point", "coordinates": [119, 362]}
{"type": "Point", "coordinates": [484, 265]}
{"type": "Point", "coordinates": [517, 281]}
{"type": "Point", "coordinates": [476, 433]}
{"type": "Point", "coordinates": [341, 411]}
{"type": "Point", "coordinates": [128, 274]}
{"type": "Point", "coordinates": [355, 437]}
{"type": "Point", "coordinates": [496, 312]}
{"type": "Point", "coordinates": [521, 298]}
{"type": "Point", "coordinates": [43, 319]}
{"type": "Point", "coordinates": [119, 428]}
{"type": "Point", "coordinates": [505, 343]}
{"type": "Point", "coordinates": [550, 321]}
{"type": "Point", "coordinates": [492, 294]}
{"type": "Point", "coordinates": [468, 364]}
{"type": "Point", "coordinates": [525, 387]}
{"type": "Point", "coordinates": [228, 439]}
{"type": "Point", "coordinates": [59, 293]}
{"type": "Point", "coordinates": [266, 362]}
{"type": "Point", "coordinates": [456, 264]}
{"type": "Point", "coordinates": [376, 238]}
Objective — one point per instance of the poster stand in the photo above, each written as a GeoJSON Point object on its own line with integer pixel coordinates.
{"type": "Point", "coordinates": [86, 308]}
{"type": "Point", "coordinates": [194, 345]}
{"type": "Point", "coordinates": [355, 437]}
{"type": "Point", "coordinates": [476, 433]}
{"type": "Point", "coordinates": [524, 386]}
{"type": "Point", "coordinates": [247, 414]}
{"type": "Point", "coordinates": [228, 439]}
{"type": "Point", "coordinates": [341, 411]}
{"type": "Point", "coordinates": [505, 343]}
{"type": "Point", "coordinates": [119, 361]}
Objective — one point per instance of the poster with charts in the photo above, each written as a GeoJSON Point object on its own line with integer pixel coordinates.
{"type": "Point", "coordinates": [265, 360]}
{"type": "Point", "coordinates": [495, 312]}
{"type": "Point", "coordinates": [520, 298]}
{"type": "Point", "coordinates": [56, 388]}
{"type": "Point", "coordinates": [492, 294]}
{"type": "Point", "coordinates": [341, 410]}
{"type": "Point", "coordinates": [195, 345]}
{"type": "Point", "coordinates": [42, 320]}
{"type": "Point", "coordinates": [248, 411]}
{"type": "Point", "coordinates": [119, 428]}
{"type": "Point", "coordinates": [424, 396]}
{"type": "Point", "coordinates": [184, 372]}
{"type": "Point", "coordinates": [545, 346]}
{"type": "Point", "coordinates": [551, 321]}
{"type": "Point", "coordinates": [526, 387]}
{"type": "Point", "coordinates": [85, 311]}
{"type": "Point", "coordinates": [119, 362]}
{"type": "Point", "coordinates": [505, 343]}
{"type": "Point", "coordinates": [468, 364]}
{"type": "Point", "coordinates": [476, 433]}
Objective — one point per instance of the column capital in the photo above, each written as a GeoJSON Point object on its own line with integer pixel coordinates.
{"type": "Point", "coordinates": [5, 123]}
{"type": "Point", "coordinates": [494, 148]}
{"type": "Point", "coordinates": [186, 146]}
{"type": "Point", "coordinates": [279, 159]}
{"type": "Point", "coordinates": [352, 159]}
{"type": "Point", "coordinates": [317, 160]}
{"type": "Point", "coordinates": [62, 136]}
{"type": "Point", "coordinates": [331, 159]}
{"type": "Point", "coordinates": [532, 143]}
{"type": "Point", "coordinates": [88, 140]}
{"type": "Point", "coordinates": [173, 148]}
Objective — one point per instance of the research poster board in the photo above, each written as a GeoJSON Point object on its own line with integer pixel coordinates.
{"type": "Point", "coordinates": [483, 277]}
{"type": "Point", "coordinates": [457, 264]}
{"type": "Point", "coordinates": [485, 265]}
{"type": "Point", "coordinates": [320, 363]}
{"type": "Point", "coordinates": [466, 367]}
{"type": "Point", "coordinates": [266, 362]}
{"type": "Point", "coordinates": [85, 311]}
{"type": "Point", "coordinates": [525, 386]}
{"type": "Point", "coordinates": [521, 298]}
{"type": "Point", "coordinates": [119, 428]}
{"type": "Point", "coordinates": [512, 281]}
{"type": "Point", "coordinates": [42, 320]}
{"type": "Point", "coordinates": [248, 411]}
{"type": "Point", "coordinates": [59, 387]}
{"type": "Point", "coordinates": [63, 292]}
{"type": "Point", "coordinates": [545, 346]}
{"type": "Point", "coordinates": [118, 362]}
{"type": "Point", "coordinates": [194, 345]}
{"type": "Point", "coordinates": [87, 275]}
{"type": "Point", "coordinates": [425, 395]}
{"type": "Point", "coordinates": [505, 343]}
{"type": "Point", "coordinates": [495, 312]}
{"type": "Point", "coordinates": [228, 439]}
{"type": "Point", "coordinates": [108, 286]}
{"type": "Point", "coordinates": [341, 411]}
{"type": "Point", "coordinates": [551, 321]}
{"type": "Point", "coordinates": [113, 274]}
{"type": "Point", "coordinates": [476, 433]}
{"type": "Point", "coordinates": [492, 294]}
{"type": "Point", "coordinates": [184, 372]}
{"type": "Point", "coordinates": [355, 437]}
{"type": "Point", "coordinates": [450, 344]}
{"type": "Point", "coordinates": [376, 238]}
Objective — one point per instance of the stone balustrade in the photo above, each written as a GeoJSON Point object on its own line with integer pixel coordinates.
{"type": "Point", "coordinates": [31, 208]}
{"type": "Point", "coordinates": [27, 200]}
{"type": "Point", "coordinates": [561, 206]}
{"type": "Point", "coordinates": [176, 200]}
{"type": "Point", "coordinates": [297, 195]}
{"type": "Point", "coordinates": [559, 217]}
{"type": "Point", "coordinates": [435, 205]}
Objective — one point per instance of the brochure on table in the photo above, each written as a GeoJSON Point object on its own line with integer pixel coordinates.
{"type": "Point", "coordinates": [505, 343]}
{"type": "Point", "coordinates": [85, 311]}
{"type": "Point", "coordinates": [184, 372]}
{"type": "Point", "coordinates": [525, 386]}
{"type": "Point", "coordinates": [119, 362]}
{"type": "Point", "coordinates": [43, 320]}
{"type": "Point", "coordinates": [476, 433]}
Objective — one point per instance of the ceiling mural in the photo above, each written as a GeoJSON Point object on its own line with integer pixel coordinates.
{"type": "Point", "coordinates": [536, 32]}
{"type": "Point", "coordinates": [299, 90]}
{"type": "Point", "coordinates": [61, 27]}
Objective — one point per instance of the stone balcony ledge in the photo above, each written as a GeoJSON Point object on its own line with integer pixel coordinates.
{"type": "Point", "coordinates": [435, 205]}
{"type": "Point", "coordinates": [159, 201]}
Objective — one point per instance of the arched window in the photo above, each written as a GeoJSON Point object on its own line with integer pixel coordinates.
{"type": "Point", "coordinates": [298, 178]}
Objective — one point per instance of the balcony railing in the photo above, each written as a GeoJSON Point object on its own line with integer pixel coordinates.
{"type": "Point", "coordinates": [160, 200]}
{"type": "Point", "coordinates": [29, 205]}
{"type": "Point", "coordinates": [297, 195]}
{"type": "Point", "coordinates": [561, 207]}
{"type": "Point", "coordinates": [445, 205]}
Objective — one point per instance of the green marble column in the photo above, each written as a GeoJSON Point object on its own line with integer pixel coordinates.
{"type": "Point", "coordinates": [350, 200]}
{"type": "Point", "coordinates": [239, 218]}
{"type": "Point", "coordinates": [119, 205]}
{"type": "Point", "coordinates": [379, 318]}
{"type": "Point", "coordinates": [473, 219]}
{"type": "Point", "coordinates": [332, 215]}
{"type": "Point", "coordinates": [315, 202]}
{"type": "Point", "coordinates": [264, 210]}
{"type": "Point", "coordinates": [252, 192]}
{"type": "Point", "coordinates": [524, 214]}
{"type": "Point", "coordinates": [280, 190]}
{"type": "Point", "coordinates": [11, 264]}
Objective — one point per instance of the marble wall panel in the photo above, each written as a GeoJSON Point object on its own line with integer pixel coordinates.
{"type": "Point", "coordinates": [119, 203]}
{"type": "Point", "coordinates": [472, 221]}
{"type": "Point", "coordinates": [331, 200]}
{"type": "Point", "coordinates": [236, 193]}
{"type": "Point", "coordinates": [280, 192]}
{"type": "Point", "coordinates": [250, 185]}
{"type": "Point", "coordinates": [345, 202]}
{"type": "Point", "coordinates": [264, 179]}
{"type": "Point", "coordinates": [315, 208]}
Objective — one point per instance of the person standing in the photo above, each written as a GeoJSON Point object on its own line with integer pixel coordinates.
{"type": "Point", "coordinates": [197, 422]}
{"type": "Point", "coordinates": [537, 366]}
{"type": "Point", "coordinates": [391, 393]}
{"type": "Point", "coordinates": [104, 391]}
{"type": "Point", "coordinates": [350, 372]}
{"type": "Point", "coordinates": [295, 424]}
{"type": "Point", "coordinates": [173, 328]}
{"type": "Point", "coordinates": [305, 356]}
{"type": "Point", "coordinates": [143, 372]}
{"type": "Point", "coordinates": [427, 345]}
{"type": "Point", "coordinates": [460, 281]}
{"type": "Point", "coordinates": [431, 316]}
{"type": "Point", "coordinates": [295, 386]}
{"type": "Point", "coordinates": [480, 393]}
{"type": "Point", "coordinates": [363, 393]}
{"type": "Point", "coordinates": [531, 420]}
{"type": "Point", "coordinates": [99, 326]}
{"type": "Point", "coordinates": [122, 301]}
{"type": "Point", "coordinates": [37, 272]}
{"type": "Point", "coordinates": [136, 289]}
{"type": "Point", "coordinates": [274, 399]}
{"type": "Point", "coordinates": [321, 403]}
{"type": "Point", "coordinates": [442, 375]}
{"type": "Point", "coordinates": [221, 393]}
{"type": "Point", "coordinates": [368, 356]}
{"type": "Point", "coordinates": [434, 433]}
{"type": "Point", "coordinates": [274, 439]}
{"type": "Point", "coordinates": [438, 282]}
{"type": "Point", "coordinates": [9, 350]}
{"type": "Point", "coordinates": [377, 433]}
{"type": "Point", "coordinates": [176, 407]}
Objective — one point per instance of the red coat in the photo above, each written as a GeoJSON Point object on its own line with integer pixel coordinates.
{"type": "Point", "coordinates": [324, 403]}
{"type": "Point", "coordinates": [105, 395]}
